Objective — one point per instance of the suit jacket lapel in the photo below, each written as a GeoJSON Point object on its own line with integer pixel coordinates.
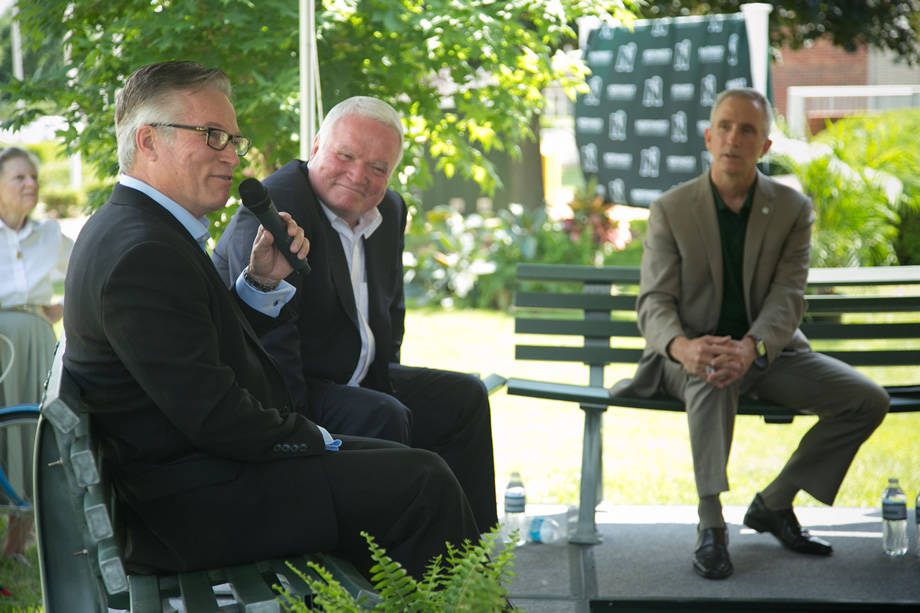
{"type": "Point", "coordinates": [341, 278]}
{"type": "Point", "coordinates": [762, 213]}
{"type": "Point", "coordinates": [704, 215]}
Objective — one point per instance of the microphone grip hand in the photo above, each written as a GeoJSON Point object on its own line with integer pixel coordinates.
{"type": "Point", "coordinates": [256, 198]}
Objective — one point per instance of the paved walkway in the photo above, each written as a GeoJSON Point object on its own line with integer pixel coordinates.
{"type": "Point", "coordinates": [645, 555]}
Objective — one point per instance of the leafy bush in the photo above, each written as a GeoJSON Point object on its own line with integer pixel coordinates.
{"type": "Point", "coordinates": [866, 190]}
{"type": "Point", "coordinates": [470, 579]}
{"type": "Point", "coordinates": [452, 260]}
{"type": "Point", "coordinates": [854, 223]}
{"type": "Point", "coordinates": [61, 202]}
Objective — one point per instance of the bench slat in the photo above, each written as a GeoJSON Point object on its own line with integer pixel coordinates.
{"type": "Point", "coordinates": [596, 302]}
{"type": "Point", "coordinates": [577, 327]}
{"type": "Point", "coordinates": [250, 589]}
{"type": "Point", "coordinates": [145, 594]}
{"type": "Point", "coordinates": [862, 304]}
{"type": "Point", "coordinates": [824, 330]}
{"type": "Point", "coordinates": [824, 277]}
{"type": "Point", "coordinates": [564, 272]}
{"type": "Point", "coordinates": [196, 592]}
{"type": "Point", "coordinates": [588, 355]}
{"type": "Point", "coordinates": [877, 357]}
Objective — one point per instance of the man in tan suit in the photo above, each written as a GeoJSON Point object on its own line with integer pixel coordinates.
{"type": "Point", "coordinates": [724, 268]}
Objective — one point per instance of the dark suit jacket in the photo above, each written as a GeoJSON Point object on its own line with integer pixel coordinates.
{"type": "Point", "coordinates": [327, 322]}
{"type": "Point", "coordinates": [680, 290]}
{"type": "Point", "coordinates": [191, 411]}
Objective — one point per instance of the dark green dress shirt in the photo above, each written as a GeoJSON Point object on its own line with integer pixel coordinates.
{"type": "Point", "coordinates": [733, 319]}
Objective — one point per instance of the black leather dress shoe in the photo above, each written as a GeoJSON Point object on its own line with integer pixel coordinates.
{"type": "Point", "coordinates": [710, 558]}
{"type": "Point", "coordinates": [784, 526]}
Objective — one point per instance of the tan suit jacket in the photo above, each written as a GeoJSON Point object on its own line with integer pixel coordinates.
{"type": "Point", "coordinates": [680, 290]}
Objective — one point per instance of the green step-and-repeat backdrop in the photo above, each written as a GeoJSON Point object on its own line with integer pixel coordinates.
{"type": "Point", "coordinates": [640, 128]}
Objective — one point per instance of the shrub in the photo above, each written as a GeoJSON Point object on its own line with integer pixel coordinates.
{"type": "Point", "coordinates": [866, 190]}
{"type": "Point", "coordinates": [61, 202]}
{"type": "Point", "coordinates": [470, 579]}
{"type": "Point", "coordinates": [452, 260]}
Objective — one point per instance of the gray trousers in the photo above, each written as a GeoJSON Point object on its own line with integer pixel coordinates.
{"type": "Point", "coordinates": [848, 404]}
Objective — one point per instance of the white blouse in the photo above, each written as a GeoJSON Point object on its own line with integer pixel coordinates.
{"type": "Point", "coordinates": [31, 260]}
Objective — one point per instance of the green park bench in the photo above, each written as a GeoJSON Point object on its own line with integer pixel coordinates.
{"type": "Point", "coordinates": [79, 544]}
{"type": "Point", "coordinates": [867, 317]}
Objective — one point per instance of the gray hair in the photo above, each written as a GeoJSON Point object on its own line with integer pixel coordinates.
{"type": "Point", "coordinates": [150, 96]}
{"type": "Point", "coordinates": [754, 96]}
{"type": "Point", "coordinates": [366, 106]}
{"type": "Point", "coordinates": [11, 153]}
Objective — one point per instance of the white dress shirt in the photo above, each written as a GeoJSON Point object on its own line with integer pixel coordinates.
{"type": "Point", "coordinates": [353, 244]}
{"type": "Point", "coordinates": [31, 260]}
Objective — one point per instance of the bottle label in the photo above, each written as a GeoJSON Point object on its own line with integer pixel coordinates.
{"type": "Point", "coordinates": [535, 526]}
{"type": "Point", "coordinates": [894, 511]}
{"type": "Point", "coordinates": [515, 504]}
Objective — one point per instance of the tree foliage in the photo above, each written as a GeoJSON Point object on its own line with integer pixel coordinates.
{"type": "Point", "coordinates": [37, 61]}
{"type": "Point", "coordinates": [466, 76]}
{"type": "Point", "coordinates": [885, 24]}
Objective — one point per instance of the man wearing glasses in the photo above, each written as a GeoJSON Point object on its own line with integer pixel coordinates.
{"type": "Point", "coordinates": [212, 464]}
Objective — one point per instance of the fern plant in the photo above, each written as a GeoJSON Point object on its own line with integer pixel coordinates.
{"type": "Point", "coordinates": [468, 578]}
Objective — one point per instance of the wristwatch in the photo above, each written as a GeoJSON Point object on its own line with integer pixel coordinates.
{"type": "Point", "coordinates": [760, 349]}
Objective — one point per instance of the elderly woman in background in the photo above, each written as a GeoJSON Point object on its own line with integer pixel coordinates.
{"type": "Point", "coordinates": [33, 254]}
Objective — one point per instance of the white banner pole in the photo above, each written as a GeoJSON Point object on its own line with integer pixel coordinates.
{"type": "Point", "coordinates": [757, 24]}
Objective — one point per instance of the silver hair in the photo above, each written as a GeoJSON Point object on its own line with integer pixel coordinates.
{"type": "Point", "coordinates": [366, 106]}
{"type": "Point", "coordinates": [754, 96]}
{"type": "Point", "coordinates": [12, 153]}
{"type": "Point", "coordinates": [150, 96]}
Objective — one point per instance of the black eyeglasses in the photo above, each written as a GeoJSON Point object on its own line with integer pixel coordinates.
{"type": "Point", "coordinates": [217, 139]}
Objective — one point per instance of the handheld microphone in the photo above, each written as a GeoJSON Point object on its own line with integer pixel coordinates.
{"type": "Point", "coordinates": [256, 198]}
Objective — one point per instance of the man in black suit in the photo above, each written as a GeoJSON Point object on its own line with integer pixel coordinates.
{"type": "Point", "coordinates": [210, 460]}
{"type": "Point", "coordinates": [343, 351]}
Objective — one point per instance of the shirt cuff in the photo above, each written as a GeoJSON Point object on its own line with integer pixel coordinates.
{"type": "Point", "coordinates": [268, 303]}
{"type": "Point", "coordinates": [331, 444]}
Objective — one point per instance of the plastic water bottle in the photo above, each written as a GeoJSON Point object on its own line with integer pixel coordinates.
{"type": "Point", "coordinates": [894, 519]}
{"type": "Point", "coordinates": [545, 530]}
{"type": "Point", "coordinates": [515, 507]}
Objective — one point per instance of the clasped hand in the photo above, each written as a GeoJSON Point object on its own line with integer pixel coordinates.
{"type": "Point", "coordinates": [268, 265]}
{"type": "Point", "coordinates": [718, 359]}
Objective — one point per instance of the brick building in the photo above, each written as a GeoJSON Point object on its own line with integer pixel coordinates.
{"type": "Point", "coordinates": [824, 64]}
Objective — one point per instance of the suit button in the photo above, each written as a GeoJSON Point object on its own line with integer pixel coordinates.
{"type": "Point", "coordinates": [303, 446]}
{"type": "Point", "coordinates": [277, 447]}
{"type": "Point", "coordinates": [285, 448]}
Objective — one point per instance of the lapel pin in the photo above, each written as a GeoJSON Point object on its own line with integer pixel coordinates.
{"type": "Point", "coordinates": [765, 210]}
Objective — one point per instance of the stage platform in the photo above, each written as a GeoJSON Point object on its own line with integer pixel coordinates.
{"type": "Point", "coordinates": [644, 564]}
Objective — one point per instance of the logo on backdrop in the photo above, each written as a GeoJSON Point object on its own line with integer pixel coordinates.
{"type": "Point", "coordinates": [653, 95]}
{"type": "Point", "coordinates": [639, 128]}
{"type": "Point", "coordinates": [682, 52]}
{"type": "Point", "coordinates": [626, 57]}
{"type": "Point", "coordinates": [618, 125]}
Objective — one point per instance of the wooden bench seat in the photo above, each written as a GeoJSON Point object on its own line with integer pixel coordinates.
{"type": "Point", "coordinates": [867, 317]}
